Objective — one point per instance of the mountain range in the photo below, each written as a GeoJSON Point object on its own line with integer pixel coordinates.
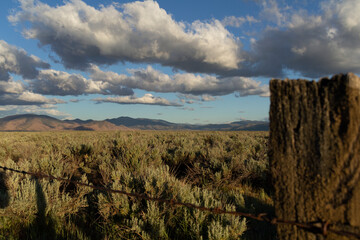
{"type": "Point", "coordinates": [32, 122]}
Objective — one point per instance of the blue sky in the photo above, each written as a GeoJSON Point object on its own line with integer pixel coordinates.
{"type": "Point", "coordinates": [182, 61]}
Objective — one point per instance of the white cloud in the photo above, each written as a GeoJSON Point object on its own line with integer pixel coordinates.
{"type": "Point", "coordinates": [299, 51]}
{"type": "Point", "coordinates": [27, 98]}
{"type": "Point", "coordinates": [186, 83]}
{"type": "Point", "coordinates": [15, 93]}
{"type": "Point", "coordinates": [15, 60]}
{"type": "Point", "coordinates": [137, 32]}
{"type": "Point", "coordinates": [312, 45]}
{"type": "Point", "coordinates": [30, 97]}
{"type": "Point", "coordinates": [207, 98]}
{"type": "Point", "coordinates": [61, 83]}
{"type": "Point", "coordinates": [190, 98]}
{"type": "Point", "coordinates": [52, 82]}
{"type": "Point", "coordinates": [11, 87]}
{"type": "Point", "coordinates": [233, 21]}
{"type": "Point", "coordinates": [147, 99]}
{"type": "Point", "coordinates": [272, 12]}
{"type": "Point", "coordinates": [331, 33]}
{"type": "Point", "coordinates": [346, 13]}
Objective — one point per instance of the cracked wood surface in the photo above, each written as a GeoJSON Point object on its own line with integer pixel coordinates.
{"type": "Point", "coordinates": [314, 153]}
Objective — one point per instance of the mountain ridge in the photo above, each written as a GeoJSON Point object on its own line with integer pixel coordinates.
{"type": "Point", "coordinates": [33, 122]}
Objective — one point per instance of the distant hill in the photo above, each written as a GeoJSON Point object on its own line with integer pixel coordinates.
{"type": "Point", "coordinates": [31, 122]}
{"type": "Point", "coordinates": [146, 124]}
{"type": "Point", "coordinates": [237, 126]}
{"type": "Point", "coordinates": [157, 124]}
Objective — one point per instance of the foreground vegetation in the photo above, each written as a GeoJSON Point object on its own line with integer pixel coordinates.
{"type": "Point", "coordinates": [228, 170]}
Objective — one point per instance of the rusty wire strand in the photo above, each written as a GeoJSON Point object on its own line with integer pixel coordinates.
{"type": "Point", "coordinates": [323, 228]}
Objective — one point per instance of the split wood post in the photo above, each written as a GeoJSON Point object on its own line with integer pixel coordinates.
{"type": "Point", "coordinates": [314, 154]}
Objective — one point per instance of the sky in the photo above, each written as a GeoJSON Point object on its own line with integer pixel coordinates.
{"type": "Point", "coordinates": [183, 61]}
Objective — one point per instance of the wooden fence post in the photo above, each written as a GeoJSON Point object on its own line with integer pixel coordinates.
{"type": "Point", "coordinates": [314, 154]}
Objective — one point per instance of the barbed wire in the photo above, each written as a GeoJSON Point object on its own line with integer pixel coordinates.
{"type": "Point", "coordinates": [323, 228]}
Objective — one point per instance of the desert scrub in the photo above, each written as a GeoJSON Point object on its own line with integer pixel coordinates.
{"type": "Point", "coordinates": [152, 220]}
{"type": "Point", "coordinates": [37, 208]}
{"type": "Point", "coordinates": [212, 169]}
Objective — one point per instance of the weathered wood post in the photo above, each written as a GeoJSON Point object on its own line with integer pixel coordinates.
{"type": "Point", "coordinates": [314, 154]}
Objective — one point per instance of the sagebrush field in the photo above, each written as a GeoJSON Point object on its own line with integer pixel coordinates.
{"type": "Point", "coordinates": [227, 170]}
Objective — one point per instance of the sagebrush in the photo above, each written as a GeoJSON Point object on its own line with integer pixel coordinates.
{"type": "Point", "coordinates": [227, 170]}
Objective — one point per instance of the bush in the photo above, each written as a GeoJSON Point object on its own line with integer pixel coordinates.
{"type": "Point", "coordinates": [226, 170]}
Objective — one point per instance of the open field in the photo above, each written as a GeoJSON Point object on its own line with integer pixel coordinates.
{"type": "Point", "coordinates": [213, 169]}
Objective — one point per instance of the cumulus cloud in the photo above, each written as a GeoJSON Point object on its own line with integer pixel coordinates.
{"type": "Point", "coordinates": [30, 97]}
{"type": "Point", "coordinates": [136, 32]}
{"type": "Point", "coordinates": [16, 93]}
{"type": "Point", "coordinates": [147, 99]}
{"type": "Point", "coordinates": [312, 45]}
{"type": "Point", "coordinates": [186, 83]}
{"type": "Point", "coordinates": [52, 82]}
{"type": "Point", "coordinates": [26, 98]}
{"type": "Point", "coordinates": [17, 61]}
{"type": "Point", "coordinates": [11, 87]}
{"type": "Point", "coordinates": [15, 96]}
{"type": "Point", "coordinates": [81, 35]}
